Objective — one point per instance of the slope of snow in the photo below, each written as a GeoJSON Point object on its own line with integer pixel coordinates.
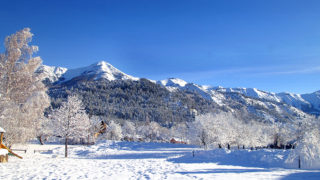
{"type": "Point", "coordinates": [295, 100]}
{"type": "Point", "coordinates": [98, 70]}
{"type": "Point", "coordinates": [132, 160]}
{"type": "Point", "coordinates": [251, 92]}
{"type": "Point", "coordinates": [313, 98]}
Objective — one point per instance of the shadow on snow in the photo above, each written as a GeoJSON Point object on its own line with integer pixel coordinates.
{"type": "Point", "coordinates": [209, 171]}
{"type": "Point", "coordinates": [302, 175]}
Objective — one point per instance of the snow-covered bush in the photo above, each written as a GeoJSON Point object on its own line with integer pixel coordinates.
{"type": "Point", "coordinates": [128, 129]}
{"type": "Point", "coordinates": [179, 132]}
{"type": "Point", "coordinates": [154, 132]}
{"type": "Point", "coordinates": [114, 131]}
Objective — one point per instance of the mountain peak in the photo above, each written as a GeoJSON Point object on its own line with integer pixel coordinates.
{"type": "Point", "coordinates": [173, 82]}
{"type": "Point", "coordinates": [51, 73]}
{"type": "Point", "coordinates": [99, 70]}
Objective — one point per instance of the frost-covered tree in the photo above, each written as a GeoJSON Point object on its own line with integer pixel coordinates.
{"type": "Point", "coordinates": [153, 132]}
{"type": "Point", "coordinates": [307, 149]}
{"type": "Point", "coordinates": [43, 129]}
{"type": "Point", "coordinates": [71, 121]}
{"type": "Point", "coordinates": [23, 96]}
{"type": "Point", "coordinates": [114, 131]}
{"type": "Point", "coordinates": [129, 129]}
{"type": "Point", "coordinates": [204, 130]}
{"type": "Point", "coordinates": [180, 131]}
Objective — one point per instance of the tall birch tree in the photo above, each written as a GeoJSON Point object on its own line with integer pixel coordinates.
{"type": "Point", "coordinates": [23, 96]}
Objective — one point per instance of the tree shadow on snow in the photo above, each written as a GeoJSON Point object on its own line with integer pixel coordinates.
{"type": "Point", "coordinates": [302, 175]}
{"type": "Point", "coordinates": [136, 156]}
{"type": "Point", "coordinates": [148, 150]}
{"type": "Point", "coordinates": [149, 146]}
{"type": "Point", "coordinates": [244, 159]}
{"type": "Point", "coordinates": [131, 155]}
{"type": "Point", "coordinates": [209, 171]}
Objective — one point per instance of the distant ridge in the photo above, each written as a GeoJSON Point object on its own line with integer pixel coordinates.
{"type": "Point", "coordinates": [309, 103]}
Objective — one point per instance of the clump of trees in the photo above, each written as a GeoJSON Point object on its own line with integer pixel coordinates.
{"type": "Point", "coordinates": [226, 129]}
{"type": "Point", "coordinates": [23, 96]}
{"type": "Point", "coordinates": [239, 129]}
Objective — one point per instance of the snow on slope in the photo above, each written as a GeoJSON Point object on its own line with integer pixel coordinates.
{"type": "Point", "coordinates": [98, 70]}
{"type": "Point", "coordinates": [299, 101]}
{"type": "Point", "coordinates": [295, 100]}
{"type": "Point", "coordinates": [252, 92]}
{"type": "Point", "coordinates": [174, 84]}
{"type": "Point", "coordinates": [313, 98]}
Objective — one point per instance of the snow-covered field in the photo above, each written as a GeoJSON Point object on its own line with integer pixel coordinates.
{"type": "Point", "coordinates": [132, 160]}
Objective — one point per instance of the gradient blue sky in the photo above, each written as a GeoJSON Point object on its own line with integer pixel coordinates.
{"type": "Point", "coordinates": [272, 45]}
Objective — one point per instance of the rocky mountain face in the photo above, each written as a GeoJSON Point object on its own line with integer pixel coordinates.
{"type": "Point", "coordinates": [108, 92]}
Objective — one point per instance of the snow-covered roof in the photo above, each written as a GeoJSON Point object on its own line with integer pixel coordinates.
{"type": "Point", "coordinates": [3, 152]}
{"type": "Point", "coordinates": [2, 130]}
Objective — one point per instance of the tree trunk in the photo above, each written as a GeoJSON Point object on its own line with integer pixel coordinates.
{"type": "Point", "coordinates": [40, 140]}
{"type": "Point", "coordinates": [66, 147]}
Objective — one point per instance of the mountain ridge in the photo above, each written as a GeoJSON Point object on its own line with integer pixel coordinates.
{"type": "Point", "coordinates": [309, 103]}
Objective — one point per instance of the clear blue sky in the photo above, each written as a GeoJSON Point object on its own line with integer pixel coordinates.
{"type": "Point", "coordinates": [272, 45]}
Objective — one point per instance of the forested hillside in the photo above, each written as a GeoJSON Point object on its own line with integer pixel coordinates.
{"type": "Point", "coordinates": [140, 100]}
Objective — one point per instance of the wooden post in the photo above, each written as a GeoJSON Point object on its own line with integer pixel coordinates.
{"type": "Point", "coordinates": [66, 147]}
{"type": "Point", "coordinates": [299, 163]}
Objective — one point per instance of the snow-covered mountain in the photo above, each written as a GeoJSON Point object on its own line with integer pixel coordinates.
{"type": "Point", "coordinates": [95, 71]}
{"type": "Point", "coordinates": [51, 73]}
{"type": "Point", "coordinates": [309, 103]}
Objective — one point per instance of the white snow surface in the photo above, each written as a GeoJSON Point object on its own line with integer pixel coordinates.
{"type": "Point", "coordinates": [133, 160]}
